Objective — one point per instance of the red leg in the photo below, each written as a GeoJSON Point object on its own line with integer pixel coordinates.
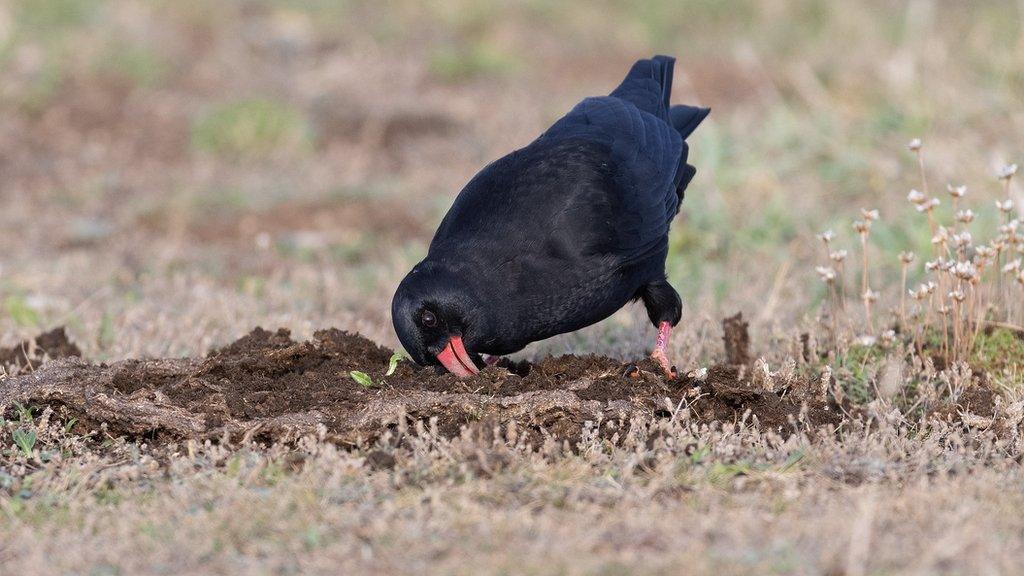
{"type": "Point", "coordinates": [659, 355]}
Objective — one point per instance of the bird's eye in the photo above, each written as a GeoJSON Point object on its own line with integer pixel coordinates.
{"type": "Point", "coordinates": [428, 319]}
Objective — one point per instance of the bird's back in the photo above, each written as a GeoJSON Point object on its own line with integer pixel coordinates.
{"type": "Point", "coordinates": [614, 164]}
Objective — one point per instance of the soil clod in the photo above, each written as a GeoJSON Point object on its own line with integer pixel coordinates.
{"type": "Point", "coordinates": [737, 340]}
{"type": "Point", "coordinates": [31, 353]}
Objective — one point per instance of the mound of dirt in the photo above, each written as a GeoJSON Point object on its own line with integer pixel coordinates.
{"type": "Point", "coordinates": [269, 387]}
{"type": "Point", "coordinates": [30, 354]}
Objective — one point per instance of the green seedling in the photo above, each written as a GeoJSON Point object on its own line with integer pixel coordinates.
{"type": "Point", "coordinates": [362, 378]}
{"type": "Point", "coordinates": [393, 363]}
{"type": "Point", "coordinates": [24, 412]}
{"type": "Point", "coordinates": [25, 439]}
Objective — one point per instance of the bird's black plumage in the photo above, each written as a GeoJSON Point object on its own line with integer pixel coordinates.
{"type": "Point", "coordinates": [562, 233]}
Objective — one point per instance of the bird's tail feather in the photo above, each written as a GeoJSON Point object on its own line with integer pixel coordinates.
{"type": "Point", "coordinates": [648, 85]}
{"type": "Point", "coordinates": [685, 119]}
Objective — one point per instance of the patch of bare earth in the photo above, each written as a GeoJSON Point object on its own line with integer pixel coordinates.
{"type": "Point", "coordinates": [266, 386]}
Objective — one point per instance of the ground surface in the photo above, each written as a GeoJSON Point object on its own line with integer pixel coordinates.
{"type": "Point", "coordinates": [174, 174]}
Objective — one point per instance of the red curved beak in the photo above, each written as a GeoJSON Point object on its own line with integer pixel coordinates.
{"type": "Point", "coordinates": [455, 358]}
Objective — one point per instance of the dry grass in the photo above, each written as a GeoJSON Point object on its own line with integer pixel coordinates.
{"type": "Point", "coordinates": [900, 496]}
{"type": "Point", "coordinates": [173, 174]}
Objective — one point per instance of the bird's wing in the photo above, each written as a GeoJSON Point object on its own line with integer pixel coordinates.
{"type": "Point", "coordinates": [599, 183]}
{"type": "Point", "coordinates": [645, 154]}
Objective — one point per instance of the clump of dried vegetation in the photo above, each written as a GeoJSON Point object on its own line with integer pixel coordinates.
{"type": "Point", "coordinates": [961, 325]}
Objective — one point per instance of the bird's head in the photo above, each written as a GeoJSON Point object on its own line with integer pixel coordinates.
{"type": "Point", "coordinates": [437, 318]}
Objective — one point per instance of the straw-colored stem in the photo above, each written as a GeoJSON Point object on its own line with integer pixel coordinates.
{"type": "Point", "coordinates": [957, 323]}
{"type": "Point", "coordinates": [865, 283]}
{"type": "Point", "coordinates": [835, 314]}
{"type": "Point", "coordinates": [920, 165]}
{"type": "Point", "coordinates": [903, 298]}
{"type": "Point", "coordinates": [945, 333]}
{"type": "Point", "coordinates": [977, 305]}
{"type": "Point", "coordinates": [918, 332]}
{"type": "Point", "coordinates": [864, 261]}
{"type": "Point", "coordinates": [841, 281]}
{"type": "Point", "coordinates": [928, 311]}
{"type": "Point", "coordinates": [975, 297]}
{"type": "Point", "coordinates": [867, 314]}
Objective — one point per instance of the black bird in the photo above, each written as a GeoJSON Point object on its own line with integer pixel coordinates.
{"type": "Point", "coordinates": [560, 234]}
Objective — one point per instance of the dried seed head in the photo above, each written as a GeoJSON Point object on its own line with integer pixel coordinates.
{"type": "Point", "coordinates": [1020, 278]}
{"type": "Point", "coordinates": [958, 295]}
{"type": "Point", "coordinates": [862, 226]}
{"type": "Point", "coordinates": [838, 256]}
{"type": "Point", "coordinates": [932, 265]}
{"type": "Point", "coordinates": [945, 310]}
{"type": "Point", "coordinates": [907, 257]}
{"type": "Point", "coordinates": [1005, 206]}
{"type": "Point", "coordinates": [869, 295]}
{"type": "Point", "coordinates": [1007, 172]}
{"type": "Point", "coordinates": [962, 240]}
{"type": "Point", "coordinates": [984, 252]}
{"type": "Point", "coordinates": [1012, 267]}
{"type": "Point", "coordinates": [915, 145]}
{"type": "Point", "coordinates": [827, 236]}
{"type": "Point", "coordinates": [965, 216]}
{"type": "Point", "coordinates": [869, 215]}
{"type": "Point", "coordinates": [888, 337]}
{"type": "Point", "coordinates": [964, 270]}
{"type": "Point", "coordinates": [928, 205]}
{"type": "Point", "coordinates": [916, 197]}
{"type": "Point", "coordinates": [827, 274]}
{"type": "Point", "coordinates": [956, 191]}
{"type": "Point", "coordinates": [917, 294]}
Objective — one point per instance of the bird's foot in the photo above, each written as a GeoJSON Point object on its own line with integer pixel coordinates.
{"type": "Point", "coordinates": [491, 360]}
{"type": "Point", "coordinates": [659, 355]}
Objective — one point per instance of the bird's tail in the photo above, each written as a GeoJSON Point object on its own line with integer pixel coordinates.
{"type": "Point", "coordinates": [648, 85]}
{"type": "Point", "coordinates": [685, 119]}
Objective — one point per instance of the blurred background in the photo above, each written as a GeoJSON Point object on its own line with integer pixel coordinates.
{"type": "Point", "coordinates": [176, 172]}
